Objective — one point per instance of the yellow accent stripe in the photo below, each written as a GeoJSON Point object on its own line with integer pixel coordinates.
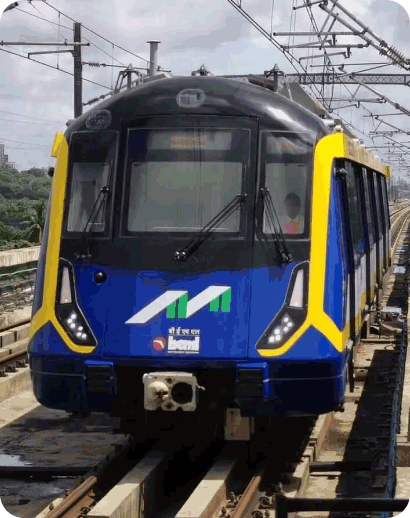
{"type": "Point", "coordinates": [46, 313]}
{"type": "Point", "coordinates": [58, 139]}
{"type": "Point", "coordinates": [336, 145]}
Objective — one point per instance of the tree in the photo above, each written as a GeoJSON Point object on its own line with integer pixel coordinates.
{"type": "Point", "coordinates": [37, 219]}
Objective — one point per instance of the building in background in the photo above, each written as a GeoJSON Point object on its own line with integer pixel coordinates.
{"type": "Point", "coordinates": [4, 159]}
{"type": "Point", "coordinates": [2, 163]}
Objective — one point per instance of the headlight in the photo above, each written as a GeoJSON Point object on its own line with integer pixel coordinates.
{"type": "Point", "coordinates": [283, 329]}
{"type": "Point", "coordinates": [292, 313]}
{"type": "Point", "coordinates": [67, 310]}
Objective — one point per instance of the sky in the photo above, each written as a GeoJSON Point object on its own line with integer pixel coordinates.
{"type": "Point", "coordinates": [36, 101]}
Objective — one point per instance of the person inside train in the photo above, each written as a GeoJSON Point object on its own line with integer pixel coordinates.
{"type": "Point", "coordinates": [292, 206]}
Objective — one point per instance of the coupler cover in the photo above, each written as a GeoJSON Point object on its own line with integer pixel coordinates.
{"type": "Point", "coordinates": [170, 391]}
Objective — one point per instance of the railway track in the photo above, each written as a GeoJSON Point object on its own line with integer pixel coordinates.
{"type": "Point", "coordinates": [13, 348]}
{"type": "Point", "coordinates": [349, 462]}
{"type": "Point", "coordinates": [335, 463]}
{"type": "Point", "coordinates": [16, 288]}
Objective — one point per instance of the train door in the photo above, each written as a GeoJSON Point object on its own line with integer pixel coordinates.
{"type": "Point", "coordinates": [357, 248]}
{"type": "Point", "coordinates": [379, 226]}
{"type": "Point", "coordinates": [370, 237]}
{"type": "Point", "coordinates": [387, 214]}
{"type": "Point", "coordinates": [379, 197]}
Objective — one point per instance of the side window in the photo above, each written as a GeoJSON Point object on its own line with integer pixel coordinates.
{"type": "Point", "coordinates": [368, 206]}
{"type": "Point", "coordinates": [355, 210]}
{"type": "Point", "coordinates": [87, 181]}
{"type": "Point", "coordinates": [379, 195]}
{"type": "Point", "coordinates": [92, 158]}
{"type": "Point", "coordinates": [286, 170]}
{"type": "Point", "coordinates": [368, 175]}
{"type": "Point", "coordinates": [379, 212]}
{"type": "Point", "coordinates": [385, 200]}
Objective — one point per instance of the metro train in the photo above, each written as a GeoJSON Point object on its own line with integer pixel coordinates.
{"type": "Point", "coordinates": [210, 253]}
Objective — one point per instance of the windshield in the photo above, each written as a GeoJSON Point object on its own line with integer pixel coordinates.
{"type": "Point", "coordinates": [178, 180]}
{"type": "Point", "coordinates": [287, 170]}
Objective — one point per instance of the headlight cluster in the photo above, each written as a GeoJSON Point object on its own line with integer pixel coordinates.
{"type": "Point", "coordinates": [280, 331]}
{"type": "Point", "coordinates": [75, 327]}
{"type": "Point", "coordinates": [292, 313]}
{"type": "Point", "coordinates": [68, 312]}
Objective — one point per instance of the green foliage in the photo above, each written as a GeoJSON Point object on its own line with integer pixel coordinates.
{"type": "Point", "coordinates": [35, 172]}
{"type": "Point", "coordinates": [23, 200]}
{"type": "Point", "coordinates": [9, 233]}
{"type": "Point", "coordinates": [14, 185]}
{"type": "Point", "coordinates": [36, 222]}
{"type": "Point", "coordinates": [19, 243]}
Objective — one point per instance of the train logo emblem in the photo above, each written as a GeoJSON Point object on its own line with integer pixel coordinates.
{"type": "Point", "coordinates": [177, 305]}
{"type": "Point", "coordinates": [186, 341]}
{"type": "Point", "coordinates": [159, 343]}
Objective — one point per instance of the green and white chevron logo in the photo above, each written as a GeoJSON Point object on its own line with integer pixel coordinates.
{"type": "Point", "coordinates": [177, 305]}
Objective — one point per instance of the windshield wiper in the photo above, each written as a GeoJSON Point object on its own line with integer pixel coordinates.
{"type": "Point", "coordinates": [102, 201]}
{"type": "Point", "coordinates": [102, 195]}
{"type": "Point", "coordinates": [274, 223]}
{"type": "Point", "coordinates": [203, 234]}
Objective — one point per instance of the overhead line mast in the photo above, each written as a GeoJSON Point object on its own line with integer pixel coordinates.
{"type": "Point", "coordinates": [327, 39]}
{"type": "Point", "coordinates": [78, 68]}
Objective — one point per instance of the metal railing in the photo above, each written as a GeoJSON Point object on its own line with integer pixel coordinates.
{"type": "Point", "coordinates": [286, 505]}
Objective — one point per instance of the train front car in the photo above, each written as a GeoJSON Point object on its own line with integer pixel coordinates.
{"type": "Point", "coordinates": [176, 267]}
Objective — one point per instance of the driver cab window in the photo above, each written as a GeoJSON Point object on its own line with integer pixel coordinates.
{"type": "Point", "coordinates": [287, 159]}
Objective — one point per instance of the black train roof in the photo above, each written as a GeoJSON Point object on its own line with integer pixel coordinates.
{"type": "Point", "coordinates": [223, 97]}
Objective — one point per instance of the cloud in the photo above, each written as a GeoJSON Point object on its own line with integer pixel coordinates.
{"type": "Point", "coordinates": [231, 29]}
{"type": "Point", "coordinates": [191, 33]}
{"type": "Point", "coordinates": [406, 5]}
{"type": "Point", "coordinates": [393, 17]}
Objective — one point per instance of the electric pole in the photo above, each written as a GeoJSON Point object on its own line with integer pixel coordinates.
{"type": "Point", "coordinates": [78, 83]}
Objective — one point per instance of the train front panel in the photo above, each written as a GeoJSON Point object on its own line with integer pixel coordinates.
{"type": "Point", "coordinates": [192, 250]}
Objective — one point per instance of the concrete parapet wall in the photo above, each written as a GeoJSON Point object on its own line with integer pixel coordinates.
{"type": "Point", "coordinates": [19, 256]}
{"type": "Point", "coordinates": [12, 318]}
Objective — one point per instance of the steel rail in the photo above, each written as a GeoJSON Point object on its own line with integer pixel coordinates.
{"type": "Point", "coordinates": [6, 355]}
{"type": "Point", "coordinates": [74, 498]}
{"type": "Point", "coordinates": [250, 496]}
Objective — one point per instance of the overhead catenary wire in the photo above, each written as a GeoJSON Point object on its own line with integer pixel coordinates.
{"type": "Point", "coordinates": [55, 68]}
{"type": "Point", "coordinates": [70, 29]}
{"type": "Point", "coordinates": [102, 50]}
{"type": "Point", "coordinates": [90, 30]}
{"type": "Point", "coordinates": [31, 122]}
{"type": "Point", "coordinates": [345, 86]}
{"type": "Point", "coordinates": [97, 65]}
{"type": "Point", "coordinates": [44, 19]}
{"type": "Point", "coordinates": [34, 148]}
{"type": "Point", "coordinates": [28, 116]}
{"type": "Point", "coordinates": [19, 142]}
{"type": "Point", "coordinates": [292, 60]}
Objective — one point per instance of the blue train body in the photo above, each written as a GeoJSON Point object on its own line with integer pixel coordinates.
{"type": "Point", "coordinates": [259, 315]}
